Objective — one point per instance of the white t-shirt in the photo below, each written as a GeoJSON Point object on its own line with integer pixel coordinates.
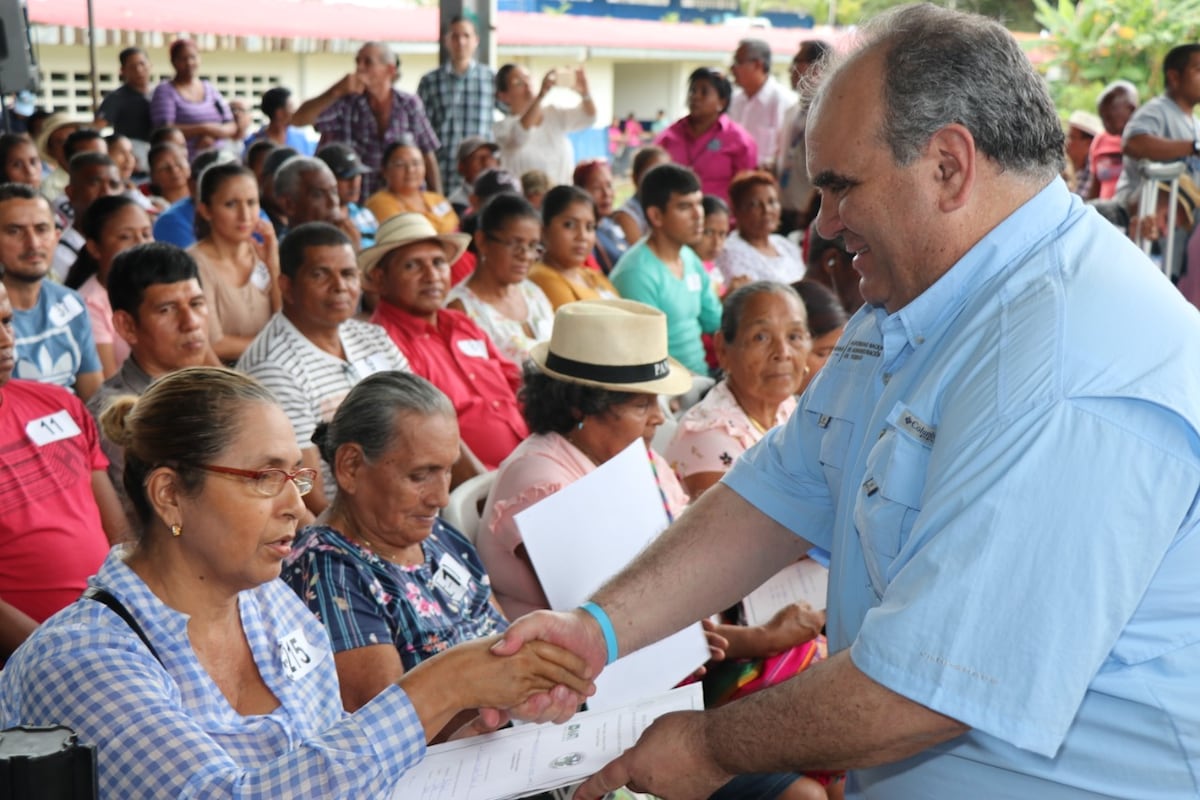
{"type": "Point", "coordinates": [546, 146]}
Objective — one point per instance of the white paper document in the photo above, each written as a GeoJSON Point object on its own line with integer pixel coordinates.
{"type": "Point", "coordinates": [581, 536]}
{"type": "Point", "coordinates": [804, 581]}
{"type": "Point", "coordinates": [534, 758]}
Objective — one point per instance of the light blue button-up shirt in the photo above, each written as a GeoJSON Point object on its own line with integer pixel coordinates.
{"type": "Point", "coordinates": [1006, 472]}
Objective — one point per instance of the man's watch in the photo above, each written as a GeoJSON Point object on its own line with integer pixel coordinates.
{"type": "Point", "coordinates": [1196, 147]}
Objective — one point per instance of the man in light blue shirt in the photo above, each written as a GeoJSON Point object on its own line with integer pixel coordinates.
{"type": "Point", "coordinates": [1003, 455]}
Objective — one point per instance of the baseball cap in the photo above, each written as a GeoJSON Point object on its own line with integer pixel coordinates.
{"type": "Point", "coordinates": [472, 143]}
{"type": "Point", "coordinates": [343, 161]}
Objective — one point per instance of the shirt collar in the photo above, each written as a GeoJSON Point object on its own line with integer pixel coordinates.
{"type": "Point", "coordinates": [134, 377]}
{"type": "Point", "coordinates": [402, 319]}
{"type": "Point", "coordinates": [993, 255]}
{"type": "Point", "coordinates": [161, 622]}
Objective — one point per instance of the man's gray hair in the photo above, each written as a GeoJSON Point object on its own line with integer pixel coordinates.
{"type": "Point", "coordinates": [290, 173]}
{"type": "Point", "coordinates": [1119, 87]}
{"type": "Point", "coordinates": [942, 67]}
{"type": "Point", "coordinates": [758, 50]}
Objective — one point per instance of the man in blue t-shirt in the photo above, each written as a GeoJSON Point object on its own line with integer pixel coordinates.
{"type": "Point", "coordinates": [53, 331]}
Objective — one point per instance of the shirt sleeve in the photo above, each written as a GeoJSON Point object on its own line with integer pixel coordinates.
{"type": "Point", "coordinates": [162, 105]}
{"type": "Point", "coordinates": [633, 282]}
{"type": "Point", "coordinates": [509, 133]}
{"type": "Point", "coordinates": [994, 524]}
{"type": "Point", "coordinates": [81, 329]}
{"type": "Point", "coordinates": [115, 695]}
{"type": "Point", "coordinates": [695, 452]}
{"type": "Point", "coordinates": [424, 134]}
{"type": "Point", "coordinates": [291, 397]}
{"type": "Point", "coordinates": [710, 304]}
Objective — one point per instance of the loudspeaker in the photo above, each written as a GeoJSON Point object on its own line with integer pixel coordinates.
{"type": "Point", "coordinates": [18, 69]}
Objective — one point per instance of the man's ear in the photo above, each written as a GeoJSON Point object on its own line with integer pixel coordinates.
{"type": "Point", "coordinates": [125, 326]}
{"type": "Point", "coordinates": [953, 151]}
{"type": "Point", "coordinates": [285, 288]}
{"type": "Point", "coordinates": [654, 216]}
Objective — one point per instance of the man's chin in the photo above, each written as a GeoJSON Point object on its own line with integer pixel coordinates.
{"type": "Point", "coordinates": [29, 276]}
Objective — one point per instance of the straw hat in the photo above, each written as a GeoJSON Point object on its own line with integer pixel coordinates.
{"type": "Point", "coordinates": [612, 344]}
{"type": "Point", "coordinates": [404, 229]}
{"type": "Point", "coordinates": [1087, 122]}
{"type": "Point", "coordinates": [54, 122]}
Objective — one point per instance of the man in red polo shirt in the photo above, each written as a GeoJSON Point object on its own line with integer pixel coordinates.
{"type": "Point", "coordinates": [58, 510]}
{"type": "Point", "coordinates": [409, 268]}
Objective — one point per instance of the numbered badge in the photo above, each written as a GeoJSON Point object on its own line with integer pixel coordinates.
{"type": "Point", "coordinates": [298, 656]}
{"type": "Point", "coordinates": [53, 428]}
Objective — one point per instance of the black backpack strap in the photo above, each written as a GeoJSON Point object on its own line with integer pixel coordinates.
{"type": "Point", "coordinates": [103, 596]}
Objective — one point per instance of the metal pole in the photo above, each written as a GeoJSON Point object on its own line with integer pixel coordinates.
{"type": "Point", "coordinates": [92, 56]}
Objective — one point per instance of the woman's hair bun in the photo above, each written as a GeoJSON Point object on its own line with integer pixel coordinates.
{"type": "Point", "coordinates": [114, 420]}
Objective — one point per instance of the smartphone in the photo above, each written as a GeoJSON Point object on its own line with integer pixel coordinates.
{"type": "Point", "coordinates": [566, 78]}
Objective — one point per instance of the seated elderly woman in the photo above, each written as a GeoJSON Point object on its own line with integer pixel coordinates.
{"type": "Point", "coordinates": [190, 667]}
{"type": "Point", "coordinates": [393, 584]}
{"type": "Point", "coordinates": [762, 348]}
{"type": "Point", "coordinates": [589, 393]}
{"type": "Point", "coordinates": [754, 252]}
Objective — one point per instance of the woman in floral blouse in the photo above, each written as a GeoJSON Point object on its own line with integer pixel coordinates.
{"type": "Point", "coordinates": [392, 583]}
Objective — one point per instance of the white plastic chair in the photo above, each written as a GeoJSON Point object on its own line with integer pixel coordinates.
{"type": "Point", "coordinates": [465, 509]}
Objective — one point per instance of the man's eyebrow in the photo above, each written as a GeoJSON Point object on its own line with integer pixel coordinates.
{"type": "Point", "coordinates": [828, 179]}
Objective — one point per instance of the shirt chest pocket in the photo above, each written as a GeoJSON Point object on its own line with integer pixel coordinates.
{"type": "Point", "coordinates": [888, 501]}
{"type": "Point", "coordinates": [834, 449]}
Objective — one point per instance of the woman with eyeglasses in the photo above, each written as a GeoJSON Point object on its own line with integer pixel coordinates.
{"type": "Point", "coordinates": [190, 667]}
{"type": "Point", "coordinates": [404, 174]}
{"type": "Point", "coordinates": [707, 140]}
{"type": "Point", "coordinates": [498, 296]}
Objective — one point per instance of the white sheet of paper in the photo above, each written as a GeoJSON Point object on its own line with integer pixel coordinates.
{"type": "Point", "coordinates": [581, 536]}
{"type": "Point", "coordinates": [533, 758]}
{"type": "Point", "coordinates": [805, 580]}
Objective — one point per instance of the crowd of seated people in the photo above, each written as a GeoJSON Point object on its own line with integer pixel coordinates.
{"type": "Point", "coordinates": [409, 273]}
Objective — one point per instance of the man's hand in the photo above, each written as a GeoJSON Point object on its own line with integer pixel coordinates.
{"type": "Point", "coordinates": [671, 759]}
{"type": "Point", "coordinates": [575, 631]}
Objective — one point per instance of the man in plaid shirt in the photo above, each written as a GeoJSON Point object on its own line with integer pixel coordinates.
{"type": "Point", "coordinates": [366, 112]}
{"type": "Point", "coordinates": [459, 97]}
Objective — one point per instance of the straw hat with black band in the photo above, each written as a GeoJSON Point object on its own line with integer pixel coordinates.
{"type": "Point", "coordinates": [619, 345]}
{"type": "Point", "coordinates": [53, 123]}
{"type": "Point", "coordinates": [405, 229]}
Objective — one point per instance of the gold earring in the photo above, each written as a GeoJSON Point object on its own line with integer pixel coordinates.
{"type": "Point", "coordinates": [177, 530]}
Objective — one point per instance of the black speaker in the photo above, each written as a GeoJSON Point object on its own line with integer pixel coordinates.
{"type": "Point", "coordinates": [18, 69]}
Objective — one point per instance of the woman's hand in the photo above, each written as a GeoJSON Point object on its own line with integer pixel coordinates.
{"type": "Point", "coordinates": [548, 82]}
{"type": "Point", "coordinates": [792, 625]}
{"type": "Point", "coordinates": [267, 249]}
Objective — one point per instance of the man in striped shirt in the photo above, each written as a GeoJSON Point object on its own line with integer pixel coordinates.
{"type": "Point", "coordinates": [312, 352]}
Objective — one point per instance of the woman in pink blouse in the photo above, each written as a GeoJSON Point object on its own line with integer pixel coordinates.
{"type": "Point", "coordinates": [707, 140]}
{"type": "Point", "coordinates": [191, 104]}
{"type": "Point", "coordinates": [591, 391]}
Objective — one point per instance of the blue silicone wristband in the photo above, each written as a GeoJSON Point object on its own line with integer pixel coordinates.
{"type": "Point", "coordinates": [610, 636]}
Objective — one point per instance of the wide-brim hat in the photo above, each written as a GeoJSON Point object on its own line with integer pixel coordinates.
{"type": "Point", "coordinates": [406, 229]}
{"type": "Point", "coordinates": [620, 345]}
{"type": "Point", "coordinates": [1087, 122]}
{"type": "Point", "coordinates": [54, 122]}
{"type": "Point", "coordinates": [1188, 197]}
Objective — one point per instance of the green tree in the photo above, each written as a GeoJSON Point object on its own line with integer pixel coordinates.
{"type": "Point", "coordinates": [1093, 42]}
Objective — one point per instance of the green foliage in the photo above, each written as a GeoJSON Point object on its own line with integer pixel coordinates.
{"type": "Point", "coordinates": [1093, 42]}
